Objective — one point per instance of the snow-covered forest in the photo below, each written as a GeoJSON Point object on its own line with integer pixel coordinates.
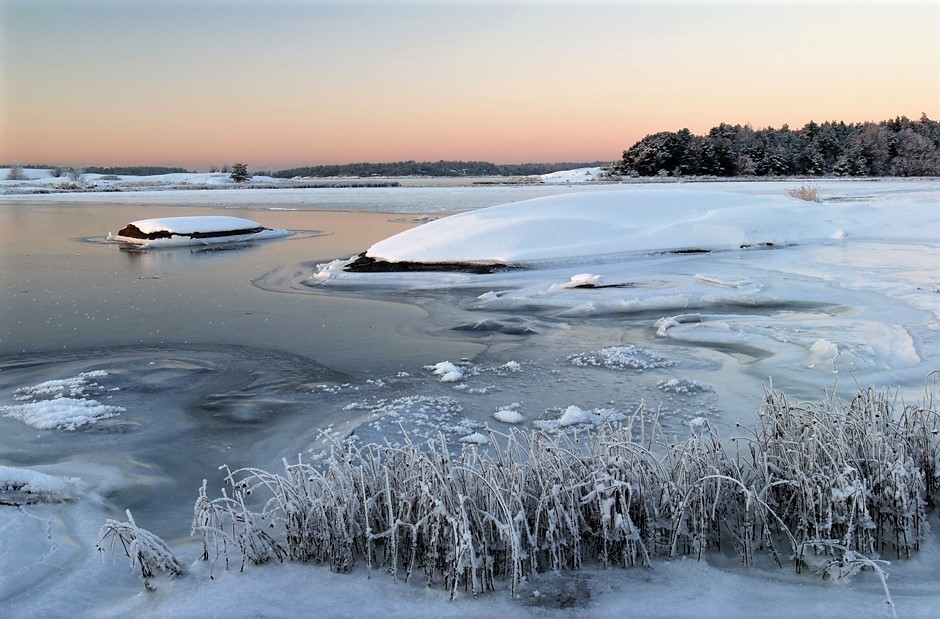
{"type": "Point", "coordinates": [898, 147]}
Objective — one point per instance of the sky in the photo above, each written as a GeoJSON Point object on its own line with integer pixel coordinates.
{"type": "Point", "coordinates": [286, 83]}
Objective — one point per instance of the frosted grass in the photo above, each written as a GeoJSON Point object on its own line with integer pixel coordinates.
{"type": "Point", "coordinates": [831, 486]}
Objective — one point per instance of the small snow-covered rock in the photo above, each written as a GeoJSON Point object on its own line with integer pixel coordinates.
{"type": "Point", "coordinates": [508, 416]}
{"type": "Point", "coordinates": [475, 439]}
{"type": "Point", "coordinates": [448, 372]}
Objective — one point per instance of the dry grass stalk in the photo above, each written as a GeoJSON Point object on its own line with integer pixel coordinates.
{"type": "Point", "coordinates": [810, 193]}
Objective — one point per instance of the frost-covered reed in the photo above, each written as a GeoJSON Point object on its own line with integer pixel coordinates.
{"type": "Point", "coordinates": [145, 550]}
{"type": "Point", "coordinates": [828, 485]}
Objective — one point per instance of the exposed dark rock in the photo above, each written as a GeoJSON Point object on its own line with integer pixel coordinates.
{"type": "Point", "coordinates": [365, 264]}
{"type": "Point", "coordinates": [133, 232]}
{"type": "Point", "coordinates": [623, 285]}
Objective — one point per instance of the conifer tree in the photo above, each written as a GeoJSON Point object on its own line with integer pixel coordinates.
{"type": "Point", "coordinates": [240, 173]}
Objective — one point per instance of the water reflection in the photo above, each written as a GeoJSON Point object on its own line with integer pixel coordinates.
{"type": "Point", "coordinates": [181, 255]}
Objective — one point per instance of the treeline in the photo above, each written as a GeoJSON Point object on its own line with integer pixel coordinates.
{"type": "Point", "coordinates": [899, 147]}
{"type": "Point", "coordinates": [136, 170]}
{"type": "Point", "coordinates": [432, 168]}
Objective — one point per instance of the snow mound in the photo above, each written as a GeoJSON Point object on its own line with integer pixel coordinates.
{"type": "Point", "coordinates": [605, 222]}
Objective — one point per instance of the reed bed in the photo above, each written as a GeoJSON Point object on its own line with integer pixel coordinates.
{"type": "Point", "coordinates": [832, 486]}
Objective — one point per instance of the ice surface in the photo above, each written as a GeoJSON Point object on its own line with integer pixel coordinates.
{"type": "Point", "coordinates": [852, 293]}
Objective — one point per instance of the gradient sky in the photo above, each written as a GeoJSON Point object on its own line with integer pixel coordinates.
{"type": "Point", "coordinates": [288, 83]}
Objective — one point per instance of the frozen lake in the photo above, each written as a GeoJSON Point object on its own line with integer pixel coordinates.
{"type": "Point", "coordinates": [199, 358]}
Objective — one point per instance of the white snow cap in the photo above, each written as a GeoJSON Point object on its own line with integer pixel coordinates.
{"type": "Point", "coordinates": [190, 225]}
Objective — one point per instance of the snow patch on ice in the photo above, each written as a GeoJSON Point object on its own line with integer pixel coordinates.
{"type": "Point", "coordinates": [621, 358]}
{"type": "Point", "coordinates": [448, 372]}
{"type": "Point", "coordinates": [419, 417]}
{"type": "Point", "coordinates": [680, 386]}
{"type": "Point", "coordinates": [60, 414]}
{"type": "Point", "coordinates": [574, 415]}
{"type": "Point", "coordinates": [60, 404]}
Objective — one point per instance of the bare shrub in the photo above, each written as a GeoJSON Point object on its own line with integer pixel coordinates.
{"type": "Point", "coordinates": [16, 173]}
{"type": "Point", "coordinates": [76, 175]}
{"type": "Point", "coordinates": [810, 193]}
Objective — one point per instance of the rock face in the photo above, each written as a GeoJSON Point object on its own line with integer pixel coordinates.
{"type": "Point", "coordinates": [365, 264]}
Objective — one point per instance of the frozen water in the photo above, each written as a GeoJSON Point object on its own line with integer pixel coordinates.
{"type": "Point", "coordinates": [236, 357]}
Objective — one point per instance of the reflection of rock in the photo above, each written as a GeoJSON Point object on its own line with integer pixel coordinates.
{"type": "Point", "coordinates": [365, 264]}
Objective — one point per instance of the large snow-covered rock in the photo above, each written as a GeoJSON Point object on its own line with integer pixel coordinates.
{"type": "Point", "coordinates": [172, 231]}
{"type": "Point", "coordinates": [603, 223]}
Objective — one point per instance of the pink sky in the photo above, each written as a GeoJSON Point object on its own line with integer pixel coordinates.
{"type": "Point", "coordinates": [291, 83]}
